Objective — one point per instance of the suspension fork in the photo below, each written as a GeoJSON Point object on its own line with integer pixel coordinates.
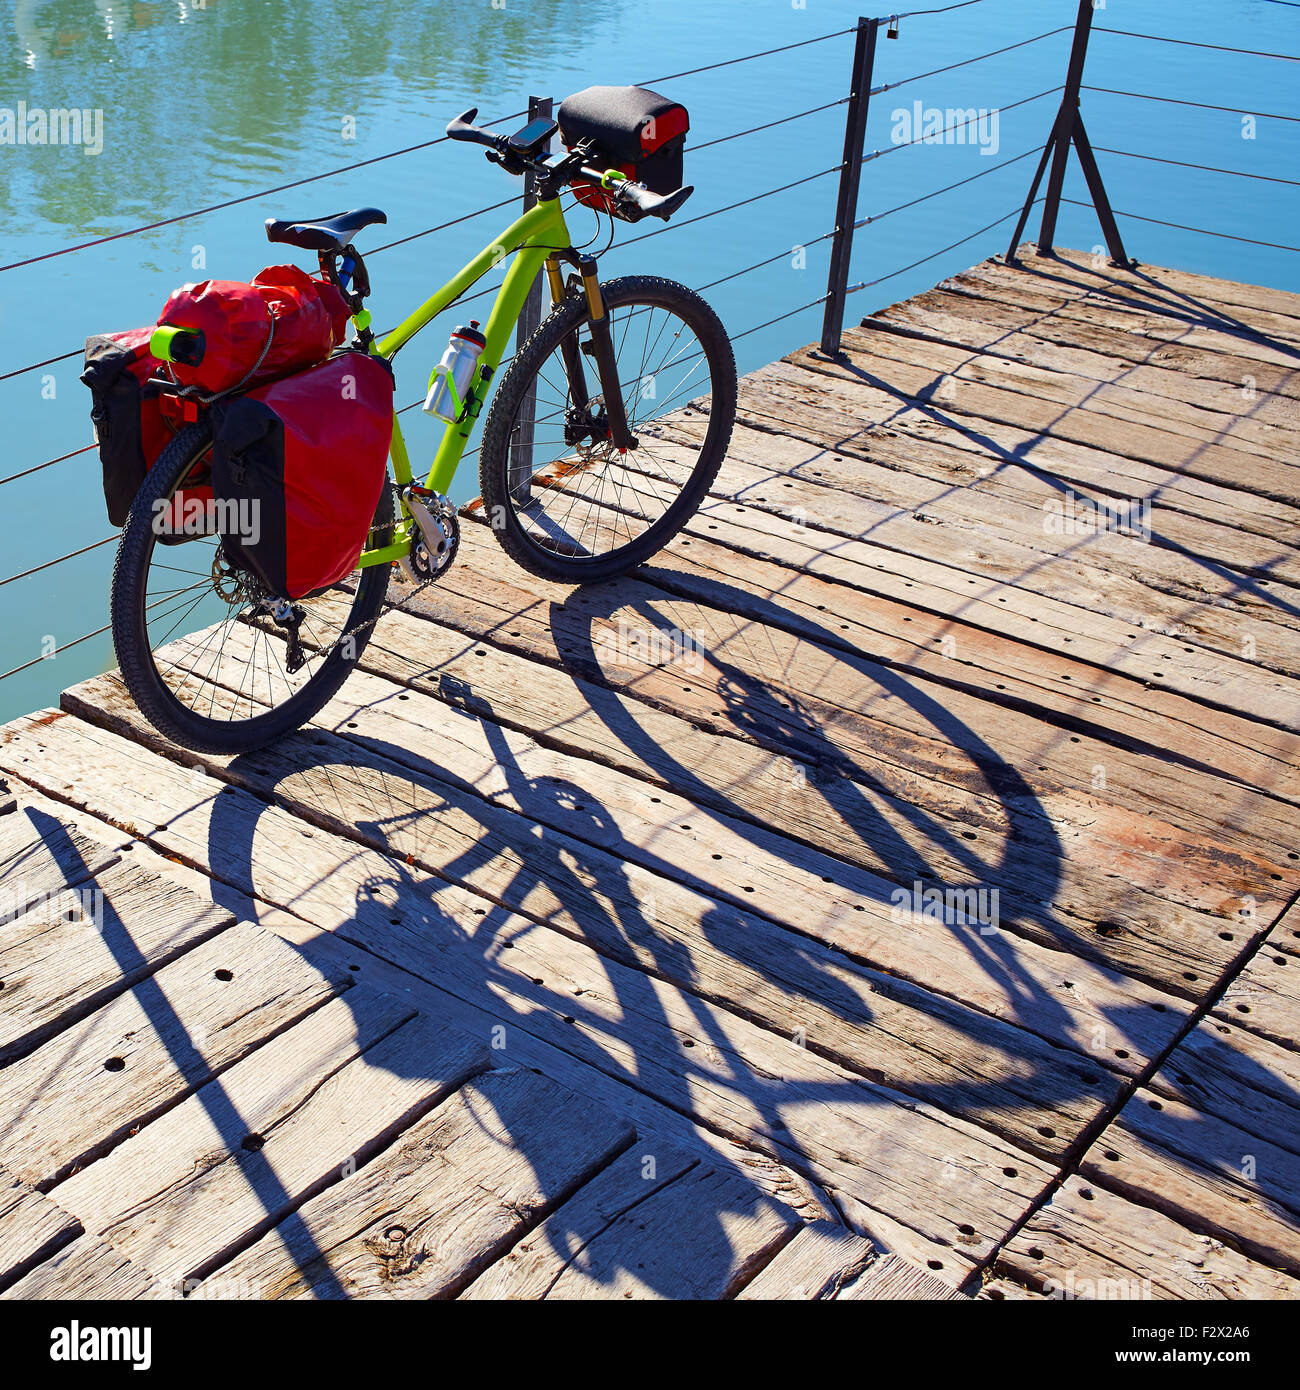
{"type": "Point", "coordinates": [568, 345]}
{"type": "Point", "coordinates": [602, 349]}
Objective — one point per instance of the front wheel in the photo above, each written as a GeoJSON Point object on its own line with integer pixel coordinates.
{"type": "Point", "coordinates": [564, 502]}
{"type": "Point", "coordinates": [199, 653]}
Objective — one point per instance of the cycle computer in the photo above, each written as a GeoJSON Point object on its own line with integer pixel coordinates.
{"type": "Point", "coordinates": [533, 136]}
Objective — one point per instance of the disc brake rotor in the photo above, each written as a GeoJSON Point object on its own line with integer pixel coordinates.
{"type": "Point", "coordinates": [227, 581]}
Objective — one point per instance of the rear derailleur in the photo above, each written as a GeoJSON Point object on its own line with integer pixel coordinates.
{"type": "Point", "coordinates": [289, 616]}
{"type": "Point", "coordinates": [236, 587]}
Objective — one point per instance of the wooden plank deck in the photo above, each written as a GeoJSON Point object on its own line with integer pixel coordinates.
{"type": "Point", "coordinates": [578, 951]}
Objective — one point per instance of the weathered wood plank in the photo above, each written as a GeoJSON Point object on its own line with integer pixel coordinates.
{"type": "Point", "coordinates": [1185, 509]}
{"type": "Point", "coordinates": [589, 1234]}
{"type": "Point", "coordinates": [1243, 1078]}
{"type": "Point", "coordinates": [1099, 350]}
{"type": "Point", "coordinates": [41, 859]}
{"type": "Point", "coordinates": [1077, 272]}
{"type": "Point", "coordinates": [1055, 901]}
{"type": "Point", "coordinates": [1264, 997]}
{"type": "Point", "coordinates": [247, 1149]}
{"type": "Point", "coordinates": [741, 1080]}
{"type": "Point", "coordinates": [150, 1047]}
{"type": "Point", "coordinates": [32, 1229]}
{"type": "Point", "coordinates": [452, 1195]}
{"type": "Point", "coordinates": [1055, 685]}
{"type": "Point", "coordinates": [847, 712]}
{"type": "Point", "coordinates": [1153, 392]}
{"type": "Point", "coordinates": [1089, 1243]}
{"type": "Point", "coordinates": [934, 593]}
{"type": "Point", "coordinates": [1206, 1174]}
{"type": "Point", "coordinates": [912, 456]}
{"type": "Point", "coordinates": [88, 1269]}
{"type": "Point", "coordinates": [816, 1264]}
{"type": "Point", "coordinates": [57, 969]}
{"type": "Point", "coordinates": [894, 1279]}
{"type": "Point", "coordinates": [880, 375]}
{"type": "Point", "coordinates": [1006, 1290]}
{"type": "Point", "coordinates": [653, 1122]}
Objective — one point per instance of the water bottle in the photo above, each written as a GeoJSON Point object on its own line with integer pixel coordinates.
{"type": "Point", "coordinates": [454, 375]}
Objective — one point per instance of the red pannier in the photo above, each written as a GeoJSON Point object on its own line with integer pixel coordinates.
{"type": "Point", "coordinates": [283, 320]}
{"type": "Point", "coordinates": [134, 421]}
{"type": "Point", "coordinates": [298, 467]}
{"type": "Point", "coordinates": [632, 129]}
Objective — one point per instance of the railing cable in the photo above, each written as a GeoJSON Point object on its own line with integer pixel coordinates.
{"type": "Point", "coordinates": [966, 62]}
{"type": "Point", "coordinates": [49, 463]}
{"type": "Point", "coordinates": [746, 58]}
{"type": "Point", "coordinates": [76, 642]}
{"type": "Point", "coordinates": [72, 555]}
{"type": "Point", "coordinates": [235, 202]}
{"type": "Point", "coordinates": [442, 226]}
{"type": "Point", "coordinates": [1205, 168]}
{"type": "Point", "coordinates": [731, 207]}
{"type": "Point", "coordinates": [1192, 43]}
{"type": "Point", "coordinates": [925, 197]}
{"type": "Point", "coordinates": [1181, 101]}
{"type": "Point", "coordinates": [943, 9]}
{"type": "Point", "coordinates": [893, 275]}
{"type": "Point", "coordinates": [1183, 227]}
{"type": "Point", "coordinates": [754, 130]}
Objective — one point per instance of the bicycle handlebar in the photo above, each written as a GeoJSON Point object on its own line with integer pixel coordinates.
{"type": "Point", "coordinates": [462, 127]}
{"type": "Point", "coordinates": [634, 199]}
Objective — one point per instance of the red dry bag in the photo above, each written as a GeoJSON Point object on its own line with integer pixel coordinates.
{"type": "Point", "coordinates": [284, 320]}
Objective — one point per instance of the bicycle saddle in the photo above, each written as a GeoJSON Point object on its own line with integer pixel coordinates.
{"type": "Point", "coordinates": [325, 233]}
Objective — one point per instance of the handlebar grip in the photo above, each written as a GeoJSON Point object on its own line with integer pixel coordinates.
{"type": "Point", "coordinates": [648, 204]}
{"type": "Point", "coordinates": [462, 127]}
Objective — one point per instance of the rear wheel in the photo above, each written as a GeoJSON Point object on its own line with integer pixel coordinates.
{"type": "Point", "coordinates": [562, 499]}
{"type": "Point", "coordinates": [202, 657]}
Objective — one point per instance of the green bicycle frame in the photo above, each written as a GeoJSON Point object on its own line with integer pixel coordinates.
{"type": "Point", "coordinates": [536, 235]}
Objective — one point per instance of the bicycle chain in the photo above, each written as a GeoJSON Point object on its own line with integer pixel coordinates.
{"type": "Point", "coordinates": [386, 607]}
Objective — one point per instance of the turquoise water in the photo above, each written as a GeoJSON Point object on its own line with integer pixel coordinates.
{"type": "Point", "coordinates": [203, 103]}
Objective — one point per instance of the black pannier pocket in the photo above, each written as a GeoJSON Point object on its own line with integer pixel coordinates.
{"type": "Point", "coordinates": [634, 130]}
{"type": "Point", "coordinates": [126, 412]}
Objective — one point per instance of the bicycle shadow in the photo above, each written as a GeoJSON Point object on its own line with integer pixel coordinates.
{"type": "Point", "coordinates": [579, 886]}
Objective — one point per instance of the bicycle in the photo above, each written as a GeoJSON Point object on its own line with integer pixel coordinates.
{"type": "Point", "coordinates": [576, 485]}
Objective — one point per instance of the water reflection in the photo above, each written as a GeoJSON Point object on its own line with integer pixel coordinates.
{"type": "Point", "coordinates": [199, 96]}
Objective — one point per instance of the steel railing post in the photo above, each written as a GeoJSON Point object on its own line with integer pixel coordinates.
{"type": "Point", "coordinates": [1068, 130]}
{"type": "Point", "coordinates": [846, 210]}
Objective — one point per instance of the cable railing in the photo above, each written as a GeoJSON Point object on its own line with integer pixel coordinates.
{"type": "Point", "coordinates": [1067, 131]}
